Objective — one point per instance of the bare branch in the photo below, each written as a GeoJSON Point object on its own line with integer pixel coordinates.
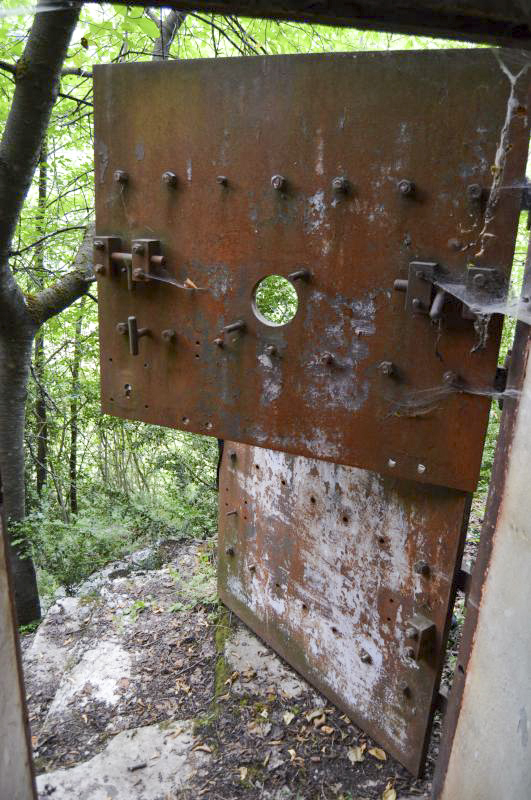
{"type": "Point", "coordinates": [47, 236]}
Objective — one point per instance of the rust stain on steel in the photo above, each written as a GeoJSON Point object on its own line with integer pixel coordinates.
{"type": "Point", "coordinates": [330, 565]}
{"type": "Point", "coordinates": [343, 131]}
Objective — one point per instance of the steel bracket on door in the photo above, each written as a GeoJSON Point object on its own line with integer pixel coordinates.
{"type": "Point", "coordinates": [421, 635]}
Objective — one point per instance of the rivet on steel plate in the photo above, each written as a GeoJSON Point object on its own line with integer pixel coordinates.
{"type": "Point", "coordinates": [121, 328]}
{"type": "Point", "coordinates": [252, 568]}
{"type": "Point", "coordinates": [387, 368]}
{"type": "Point", "coordinates": [417, 305]}
{"type": "Point", "coordinates": [479, 281]}
{"type": "Point", "coordinates": [474, 192]}
{"type": "Point", "coordinates": [328, 358]}
{"type": "Point", "coordinates": [365, 657]}
{"type": "Point", "coordinates": [391, 463]}
{"type": "Point", "coordinates": [278, 182]}
{"type": "Point", "coordinates": [229, 551]}
{"type": "Point", "coordinates": [299, 275]}
{"type": "Point", "coordinates": [421, 469]}
{"type": "Point", "coordinates": [231, 513]}
{"type": "Point", "coordinates": [120, 176]}
{"type": "Point", "coordinates": [406, 188]}
{"type": "Point", "coordinates": [271, 350]}
{"type": "Point", "coordinates": [219, 342]}
{"type": "Point", "coordinates": [422, 568]}
{"type": "Point", "coordinates": [169, 178]}
{"type": "Point", "coordinates": [340, 184]}
{"type": "Point", "coordinates": [410, 653]}
{"type": "Point", "coordinates": [138, 249]}
{"type": "Point", "coordinates": [99, 269]}
{"type": "Point", "coordinates": [99, 245]}
{"type": "Point", "coordinates": [222, 180]}
{"type": "Point", "coordinates": [169, 335]}
{"type": "Point", "coordinates": [239, 325]}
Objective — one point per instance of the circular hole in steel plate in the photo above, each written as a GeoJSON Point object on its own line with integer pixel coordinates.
{"type": "Point", "coordinates": [275, 300]}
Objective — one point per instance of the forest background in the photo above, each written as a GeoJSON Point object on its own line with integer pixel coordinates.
{"type": "Point", "coordinates": [96, 486]}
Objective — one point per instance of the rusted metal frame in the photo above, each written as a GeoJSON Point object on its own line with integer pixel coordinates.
{"type": "Point", "coordinates": [517, 368]}
{"type": "Point", "coordinates": [17, 776]}
{"type": "Point", "coordinates": [500, 22]}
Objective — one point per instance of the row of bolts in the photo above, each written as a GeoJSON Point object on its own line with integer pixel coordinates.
{"type": "Point", "coordinates": [339, 184]}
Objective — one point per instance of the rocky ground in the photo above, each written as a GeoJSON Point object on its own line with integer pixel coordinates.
{"type": "Point", "coordinates": [143, 687]}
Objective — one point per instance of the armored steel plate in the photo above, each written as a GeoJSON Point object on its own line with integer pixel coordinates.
{"type": "Point", "coordinates": [349, 576]}
{"type": "Point", "coordinates": [381, 160]}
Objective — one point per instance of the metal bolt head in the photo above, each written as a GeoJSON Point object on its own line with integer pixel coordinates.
{"type": "Point", "coordinates": [271, 350]}
{"type": "Point", "coordinates": [121, 328]}
{"type": "Point", "coordinates": [340, 184]}
{"type": "Point", "coordinates": [138, 248]}
{"type": "Point", "coordinates": [120, 176]}
{"type": "Point", "coordinates": [451, 378]}
{"type": "Point", "coordinates": [229, 551]}
{"type": "Point", "coordinates": [328, 358]}
{"type": "Point", "coordinates": [222, 180]}
{"type": "Point", "coordinates": [169, 178]}
{"type": "Point", "coordinates": [99, 245]}
{"type": "Point", "coordinates": [474, 192]}
{"type": "Point", "coordinates": [391, 463]}
{"type": "Point", "coordinates": [278, 182]}
{"type": "Point", "coordinates": [99, 269]}
{"type": "Point", "coordinates": [416, 303]}
{"type": "Point", "coordinates": [421, 469]}
{"type": "Point", "coordinates": [365, 657]}
{"type": "Point", "coordinates": [406, 188]}
{"type": "Point", "coordinates": [422, 568]}
{"type": "Point", "coordinates": [139, 274]}
{"type": "Point", "coordinates": [405, 689]}
{"type": "Point", "coordinates": [219, 342]}
{"type": "Point", "coordinates": [386, 368]}
{"type": "Point", "coordinates": [479, 281]}
{"type": "Point", "coordinates": [169, 335]}
{"type": "Point", "coordinates": [410, 653]}
{"type": "Point", "coordinates": [411, 633]}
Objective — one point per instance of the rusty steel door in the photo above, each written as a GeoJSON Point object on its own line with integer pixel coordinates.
{"type": "Point", "coordinates": [385, 188]}
{"type": "Point", "coordinates": [353, 175]}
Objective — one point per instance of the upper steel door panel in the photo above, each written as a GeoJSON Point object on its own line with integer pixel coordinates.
{"type": "Point", "coordinates": [434, 118]}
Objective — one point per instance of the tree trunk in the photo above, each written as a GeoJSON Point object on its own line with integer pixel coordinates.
{"type": "Point", "coordinates": [40, 402]}
{"type": "Point", "coordinates": [40, 415]}
{"type": "Point", "coordinates": [15, 357]}
{"type": "Point", "coordinates": [74, 410]}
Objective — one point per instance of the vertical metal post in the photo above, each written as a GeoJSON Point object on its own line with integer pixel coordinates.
{"type": "Point", "coordinates": [486, 746]}
{"type": "Point", "coordinates": [17, 781]}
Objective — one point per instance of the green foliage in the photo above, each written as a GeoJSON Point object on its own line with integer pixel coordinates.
{"type": "Point", "coordinates": [276, 299]}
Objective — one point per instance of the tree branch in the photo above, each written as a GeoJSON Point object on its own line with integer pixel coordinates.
{"type": "Point", "coordinates": [51, 301]}
{"type": "Point", "coordinates": [47, 236]}
{"type": "Point", "coordinates": [168, 27]}
{"type": "Point", "coordinates": [37, 78]}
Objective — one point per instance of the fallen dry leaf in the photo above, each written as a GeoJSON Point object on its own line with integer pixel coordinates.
{"type": "Point", "coordinates": [292, 754]}
{"type": "Point", "coordinates": [389, 792]}
{"type": "Point", "coordinates": [204, 747]}
{"type": "Point", "coordinates": [288, 717]}
{"type": "Point", "coordinates": [378, 753]}
{"type": "Point", "coordinates": [355, 755]}
{"type": "Point", "coordinates": [243, 773]}
{"type": "Point", "coordinates": [326, 729]}
{"type": "Point", "coordinates": [318, 721]}
{"type": "Point", "coordinates": [264, 713]}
